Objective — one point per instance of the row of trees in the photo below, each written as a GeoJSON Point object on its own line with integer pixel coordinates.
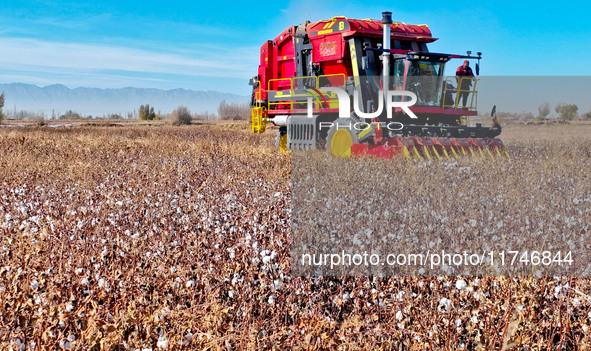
{"type": "Point", "coordinates": [237, 111]}
{"type": "Point", "coordinates": [181, 115]}
{"type": "Point", "coordinates": [567, 112]}
{"type": "Point", "coordinates": [233, 111]}
{"type": "Point", "coordinates": [147, 113]}
{"type": "Point", "coordinates": [68, 115]}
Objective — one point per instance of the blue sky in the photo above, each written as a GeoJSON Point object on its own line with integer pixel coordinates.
{"type": "Point", "coordinates": [213, 45]}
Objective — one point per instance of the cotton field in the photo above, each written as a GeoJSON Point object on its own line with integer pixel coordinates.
{"type": "Point", "coordinates": [162, 238]}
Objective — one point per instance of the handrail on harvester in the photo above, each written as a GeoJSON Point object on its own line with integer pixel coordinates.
{"type": "Point", "coordinates": [292, 89]}
{"type": "Point", "coordinates": [473, 93]}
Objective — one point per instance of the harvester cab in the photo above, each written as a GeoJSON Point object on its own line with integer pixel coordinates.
{"type": "Point", "coordinates": [368, 87]}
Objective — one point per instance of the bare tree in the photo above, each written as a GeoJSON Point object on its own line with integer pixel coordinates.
{"type": "Point", "coordinates": [1, 106]}
{"type": "Point", "coordinates": [181, 115]}
{"type": "Point", "coordinates": [543, 111]}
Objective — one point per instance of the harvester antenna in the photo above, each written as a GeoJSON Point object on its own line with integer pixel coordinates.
{"type": "Point", "coordinates": [386, 22]}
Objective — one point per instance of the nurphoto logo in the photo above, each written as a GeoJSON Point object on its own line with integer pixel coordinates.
{"type": "Point", "coordinates": [345, 101]}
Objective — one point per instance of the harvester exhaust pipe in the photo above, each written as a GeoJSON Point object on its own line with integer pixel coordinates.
{"type": "Point", "coordinates": [386, 21]}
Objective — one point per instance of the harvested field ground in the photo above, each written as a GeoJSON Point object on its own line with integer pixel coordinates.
{"type": "Point", "coordinates": [158, 237]}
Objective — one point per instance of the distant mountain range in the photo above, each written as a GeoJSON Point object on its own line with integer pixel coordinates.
{"type": "Point", "coordinates": [57, 99]}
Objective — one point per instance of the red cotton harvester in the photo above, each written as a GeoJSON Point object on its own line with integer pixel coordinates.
{"type": "Point", "coordinates": [368, 87]}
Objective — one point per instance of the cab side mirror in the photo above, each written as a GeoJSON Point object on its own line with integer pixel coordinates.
{"type": "Point", "coordinates": [477, 69]}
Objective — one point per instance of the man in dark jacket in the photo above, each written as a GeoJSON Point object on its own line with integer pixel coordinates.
{"type": "Point", "coordinates": [464, 84]}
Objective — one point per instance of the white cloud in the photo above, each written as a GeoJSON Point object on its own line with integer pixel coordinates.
{"type": "Point", "coordinates": [22, 53]}
{"type": "Point", "coordinates": [79, 64]}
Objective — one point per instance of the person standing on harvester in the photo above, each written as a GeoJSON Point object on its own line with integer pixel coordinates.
{"type": "Point", "coordinates": [464, 84]}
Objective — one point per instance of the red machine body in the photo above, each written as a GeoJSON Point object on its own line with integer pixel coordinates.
{"type": "Point", "coordinates": [304, 60]}
{"type": "Point", "coordinates": [331, 53]}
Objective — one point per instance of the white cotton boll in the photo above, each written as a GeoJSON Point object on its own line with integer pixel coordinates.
{"type": "Point", "coordinates": [65, 344]}
{"type": "Point", "coordinates": [34, 284]}
{"type": "Point", "coordinates": [474, 319]}
{"type": "Point", "coordinates": [444, 305]}
{"type": "Point", "coordinates": [399, 295]}
{"type": "Point", "coordinates": [69, 307]}
{"type": "Point", "coordinates": [461, 284]}
{"type": "Point", "coordinates": [84, 281]}
{"type": "Point", "coordinates": [162, 342]}
{"type": "Point", "coordinates": [190, 284]}
{"type": "Point", "coordinates": [399, 315]}
{"type": "Point", "coordinates": [101, 283]}
{"type": "Point", "coordinates": [18, 344]}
